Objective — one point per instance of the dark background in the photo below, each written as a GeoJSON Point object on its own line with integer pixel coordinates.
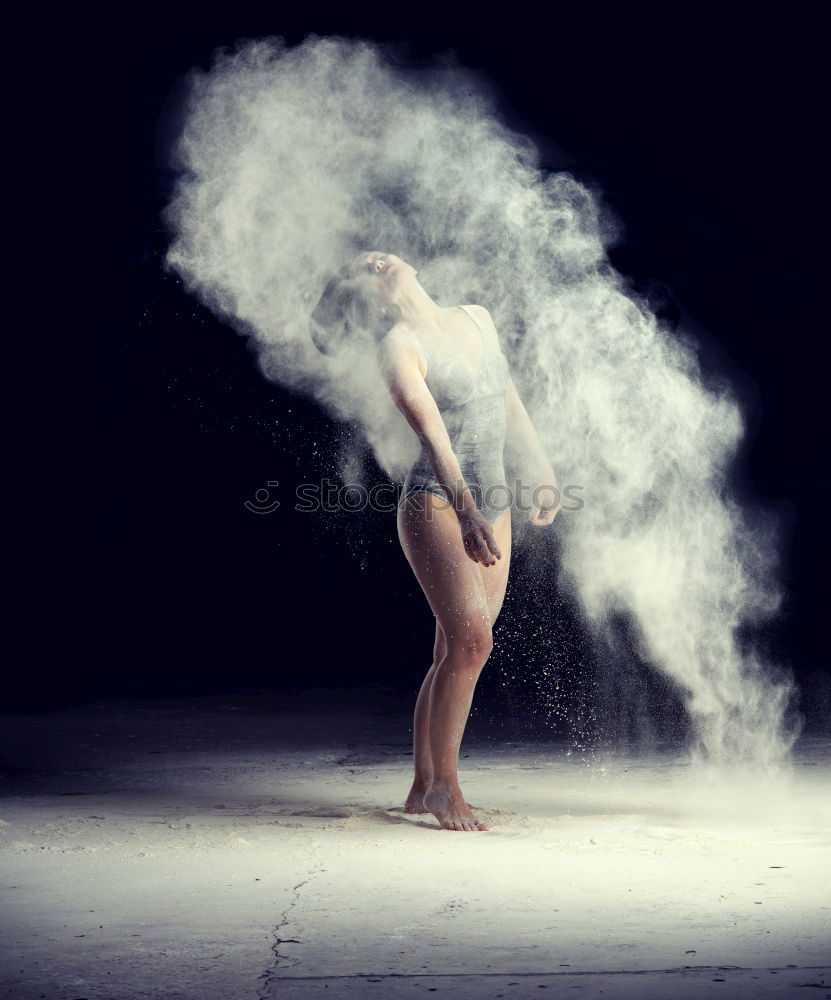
{"type": "Point", "coordinates": [142, 425]}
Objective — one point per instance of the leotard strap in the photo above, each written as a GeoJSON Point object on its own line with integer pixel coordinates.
{"type": "Point", "coordinates": [475, 320]}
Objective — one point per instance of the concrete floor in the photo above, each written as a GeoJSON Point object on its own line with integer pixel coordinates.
{"type": "Point", "coordinates": [255, 847]}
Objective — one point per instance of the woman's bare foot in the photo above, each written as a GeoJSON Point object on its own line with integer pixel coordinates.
{"type": "Point", "coordinates": [448, 805]}
{"type": "Point", "coordinates": [415, 800]}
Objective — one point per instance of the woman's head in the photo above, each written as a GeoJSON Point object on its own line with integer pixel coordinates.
{"type": "Point", "coordinates": [361, 298]}
{"type": "Point", "coordinates": [381, 275]}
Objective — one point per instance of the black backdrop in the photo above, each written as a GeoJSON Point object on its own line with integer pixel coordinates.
{"type": "Point", "coordinates": [143, 426]}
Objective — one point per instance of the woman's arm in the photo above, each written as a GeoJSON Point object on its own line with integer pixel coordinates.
{"type": "Point", "coordinates": [522, 436]}
{"type": "Point", "coordinates": [398, 359]}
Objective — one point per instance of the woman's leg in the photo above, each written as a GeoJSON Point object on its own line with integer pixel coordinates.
{"type": "Point", "coordinates": [462, 603]}
{"type": "Point", "coordinates": [494, 580]}
{"type": "Point", "coordinates": [422, 758]}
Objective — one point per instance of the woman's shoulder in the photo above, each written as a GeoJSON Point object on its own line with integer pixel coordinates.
{"type": "Point", "coordinates": [484, 318]}
{"type": "Point", "coordinates": [397, 338]}
{"type": "Point", "coordinates": [398, 345]}
{"type": "Point", "coordinates": [479, 310]}
{"type": "Point", "coordinates": [481, 314]}
{"type": "Point", "coordinates": [485, 321]}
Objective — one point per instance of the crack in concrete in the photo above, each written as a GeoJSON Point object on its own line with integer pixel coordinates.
{"type": "Point", "coordinates": [270, 975]}
{"type": "Point", "coordinates": [380, 976]}
{"type": "Point", "coordinates": [352, 756]}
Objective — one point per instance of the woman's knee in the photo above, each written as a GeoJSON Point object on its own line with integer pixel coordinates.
{"type": "Point", "coordinates": [439, 646]}
{"type": "Point", "coordinates": [472, 646]}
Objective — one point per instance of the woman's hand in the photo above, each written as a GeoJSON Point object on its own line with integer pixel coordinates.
{"type": "Point", "coordinates": [546, 502]}
{"type": "Point", "coordinates": [478, 539]}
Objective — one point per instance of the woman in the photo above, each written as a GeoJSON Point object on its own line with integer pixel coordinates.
{"type": "Point", "coordinates": [447, 374]}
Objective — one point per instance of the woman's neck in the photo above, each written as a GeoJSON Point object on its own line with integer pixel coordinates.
{"type": "Point", "coordinates": [416, 308]}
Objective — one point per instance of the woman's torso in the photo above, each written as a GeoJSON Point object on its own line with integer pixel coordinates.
{"type": "Point", "coordinates": [472, 405]}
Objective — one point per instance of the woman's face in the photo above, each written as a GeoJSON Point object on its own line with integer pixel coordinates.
{"type": "Point", "coordinates": [381, 274]}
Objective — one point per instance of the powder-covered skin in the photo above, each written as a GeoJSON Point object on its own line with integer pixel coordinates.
{"type": "Point", "coordinates": [295, 159]}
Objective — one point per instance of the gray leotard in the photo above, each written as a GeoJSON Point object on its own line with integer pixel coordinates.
{"type": "Point", "coordinates": [472, 406]}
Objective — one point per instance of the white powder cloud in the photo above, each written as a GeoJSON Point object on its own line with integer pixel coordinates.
{"type": "Point", "coordinates": [294, 159]}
